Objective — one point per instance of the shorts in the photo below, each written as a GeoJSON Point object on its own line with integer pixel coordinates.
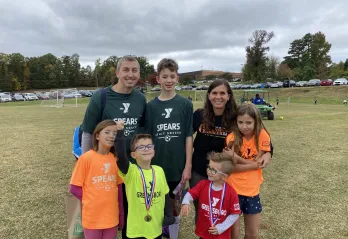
{"type": "Point", "coordinates": [172, 185]}
{"type": "Point", "coordinates": [250, 205]}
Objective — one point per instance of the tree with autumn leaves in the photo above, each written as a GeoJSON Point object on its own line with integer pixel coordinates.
{"type": "Point", "coordinates": [48, 71]}
{"type": "Point", "coordinates": [308, 58]}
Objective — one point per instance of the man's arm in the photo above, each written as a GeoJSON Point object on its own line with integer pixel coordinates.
{"type": "Point", "coordinates": [120, 149]}
{"type": "Point", "coordinates": [86, 142]}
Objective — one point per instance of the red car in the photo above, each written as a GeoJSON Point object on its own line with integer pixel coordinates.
{"type": "Point", "coordinates": [326, 82]}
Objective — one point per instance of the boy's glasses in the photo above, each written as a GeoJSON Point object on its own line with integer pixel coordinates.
{"type": "Point", "coordinates": [214, 171]}
{"type": "Point", "coordinates": [144, 147]}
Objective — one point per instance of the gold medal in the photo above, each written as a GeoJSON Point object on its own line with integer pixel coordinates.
{"type": "Point", "coordinates": [147, 218]}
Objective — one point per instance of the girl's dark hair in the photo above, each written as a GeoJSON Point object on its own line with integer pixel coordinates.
{"type": "Point", "coordinates": [229, 114]}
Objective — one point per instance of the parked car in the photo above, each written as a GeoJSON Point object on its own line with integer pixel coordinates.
{"type": "Point", "coordinates": [156, 89]}
{"type": "Point", "coordinates": [301, 83]}
{"type": "Point", "coordinates": [274, 85]}
{"type": "Point", "coordinates": [341, 81]}
{"type": "Point", "coordinates": [289, 83]}
{"type": "Point", "coordinates": [5, 98]}
{"type": "Point", "coordinates": [186, 87]}
{"type": "Point", "coordinates": [42, 96]}
{"type": "Point", "coordinates": [256, 86]}
{"type": "Point", "coordinates": [267, 84]}
{"type": "Point", "coordinates": [177, 88]}
{"type": "Point", "coordinates": [313, 82]}
{"type": "Point", "coordinates": [326, 82]}
{"type": "Point", "coordinates": [30, 96]}
{"type": "Point", "coordinates": [18, 97]}
{"type": "Point", "coordinates": [85, 93]}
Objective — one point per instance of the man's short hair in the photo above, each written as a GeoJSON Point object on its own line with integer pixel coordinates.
{"type": "Point", "coordinates": [167, 63]}
{"type": "Point", "coordinates": [126, 58]}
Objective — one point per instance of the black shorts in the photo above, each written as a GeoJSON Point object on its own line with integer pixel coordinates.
{"type": "Point", "coordinates": [172, 185]}
{"type": "Point", "coordinates": [250, 205]}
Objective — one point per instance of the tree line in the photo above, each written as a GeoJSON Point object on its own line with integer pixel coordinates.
{"type": "Point", "coordinates": [18, 72]}
{"type": "Point", "coordinates": [308, 58]}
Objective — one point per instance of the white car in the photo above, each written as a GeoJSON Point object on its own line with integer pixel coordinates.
{"type": "Point", "coordinates": [301, 83]}
{"type": "Point", "coordinates": [30, 96]}
{"type": "Point", "coordinates": [5, 98]}
{"type": "Point", "coordinates": [341, 81]}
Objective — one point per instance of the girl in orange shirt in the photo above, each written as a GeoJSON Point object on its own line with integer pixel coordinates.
{"type": "Point", "coordinates": [246, 145]}
{"type": "Point", "coordinates": [95, 181]}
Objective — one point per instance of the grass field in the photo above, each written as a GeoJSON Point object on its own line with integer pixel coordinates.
{"type": "Point", "coordinates": [304, 194]}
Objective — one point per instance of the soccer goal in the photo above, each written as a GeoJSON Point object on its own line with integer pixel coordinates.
{"type": "Point", "coordinates": [60, 98]}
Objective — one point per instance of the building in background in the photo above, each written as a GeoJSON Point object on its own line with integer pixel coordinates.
{"type": "Point", "coordinates": [201, 75]}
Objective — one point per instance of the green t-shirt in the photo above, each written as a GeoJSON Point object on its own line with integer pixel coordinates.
{"type": "Point", "coordinates": [136, 225]}
{"type": "Point", "coordinates": [128, 107]}
{"type": "Point", "coordinates": [170, 123]}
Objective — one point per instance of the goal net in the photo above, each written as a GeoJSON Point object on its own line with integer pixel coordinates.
{"type": "Point", "coordinates": [60, 98]}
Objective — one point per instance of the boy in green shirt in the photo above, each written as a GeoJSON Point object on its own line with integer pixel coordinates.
{"type": "Point", "coordinates": [168, 119]}
{"type": "Point", "coordinates": [149, 205]}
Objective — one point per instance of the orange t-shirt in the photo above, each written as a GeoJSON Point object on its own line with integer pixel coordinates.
{"type": "Point", "coordinates": [248, 183]}
{"type": "Point", "coordinates": [97, 174]}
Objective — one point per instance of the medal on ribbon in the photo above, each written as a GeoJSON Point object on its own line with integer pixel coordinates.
{"type": "Point", "coordinates": [148, 198]}
{"type": "Point", "coordinates": [212, 220]}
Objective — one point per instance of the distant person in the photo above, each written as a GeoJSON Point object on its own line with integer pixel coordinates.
{"type": "Point", "coordinates": [289, 100]}
{"type": "Point", "coordinates": [277, 100]}
{"type": "Point", "coordinates": [345, 102]}
{"type": "Point", "coordinates": [189, 97]}
{"type": "Point", "coordinates": [258, 100]}
{"type": "Point", "coordinates": [315, 101]}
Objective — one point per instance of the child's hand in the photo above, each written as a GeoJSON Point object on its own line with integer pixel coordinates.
{"type": "Point", "coordinates": [213, 230]}
{"type": "Point", "coordinates": [185, 209]}
{"type": "Point", "coordinates": [120, 125]}
{"type": "Point", "coordinates": [230, 153]}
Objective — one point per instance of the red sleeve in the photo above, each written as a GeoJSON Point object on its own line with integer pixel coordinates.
{"type": "Point", "coordinates": [234, 202]}
{"type": "Point", "coordinates": [196, 190]}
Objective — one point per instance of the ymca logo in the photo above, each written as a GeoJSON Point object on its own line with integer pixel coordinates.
{"type": "Point", "coordinates": [125, 107]}
{"type": "Point", "coordinates": [215, 201]}
{"type": "Point", "coordinates": [107, 166]}
{"type": "Point", "coordinates": [167, 114]}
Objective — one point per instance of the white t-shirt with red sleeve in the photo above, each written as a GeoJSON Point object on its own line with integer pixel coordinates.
{"type": "Point", "coordinates": [230, 206]}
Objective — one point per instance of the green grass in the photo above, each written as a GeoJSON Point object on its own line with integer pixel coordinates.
{"type": "Point", "coordinates": [304, 194]}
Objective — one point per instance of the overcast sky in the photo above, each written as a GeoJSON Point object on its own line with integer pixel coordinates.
{"type": "Point", "coordinates": [197, 33]}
